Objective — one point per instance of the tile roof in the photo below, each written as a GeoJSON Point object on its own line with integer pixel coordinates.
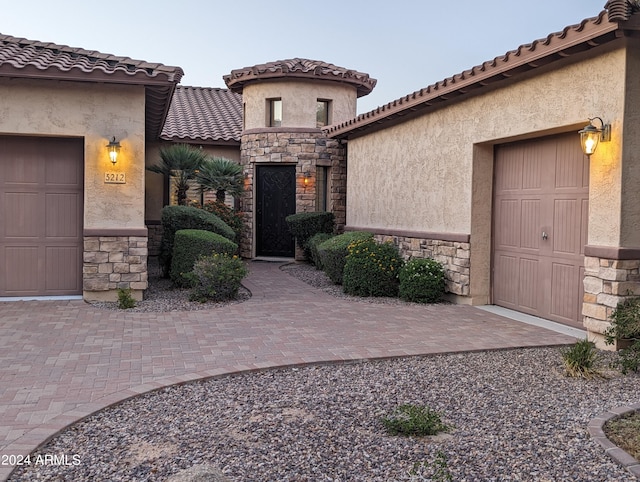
{"type": "Point", "coordinates": [299, 68]}
{"type": "Point", "coordinates": [22, 58]}
{"type": "Point", "coordinates": [590, 33]}
{"type": "Point", "coordinates": [204, 114]}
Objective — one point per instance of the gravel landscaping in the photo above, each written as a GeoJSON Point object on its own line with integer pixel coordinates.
{"type": "Point", "coordinates": [515, 417]}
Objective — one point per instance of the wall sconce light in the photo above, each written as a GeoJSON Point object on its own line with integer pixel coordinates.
{"type": "Point", "coordinates": [114, 148]}
{"type": "Point", "coordinates": [306, 179]}
{"type": "Point", "coordinates": [590, 136]}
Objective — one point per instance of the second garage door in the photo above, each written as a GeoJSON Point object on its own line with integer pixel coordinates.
{"type": "Point", "coordinates": [541, 196]}
{"type": "Point", "coordinates": [41, 205]}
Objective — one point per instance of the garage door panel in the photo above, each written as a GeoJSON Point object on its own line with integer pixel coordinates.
{"type": "Point", "coordinates": [533, 166]}
{"type": "Point", "coordinates": [510, 176]}
{"type": "Point", "coordinates": [20, 214]}
{"type": "Point", "coordinates": [572, 169]}
{"type": "Point", "coordinates": [21, 270]}
{"type": "Point", "coordinates": [566, 237]}
{"type": "Point", "coordinates": [564, 290]}
{"type": "Point", "coordinates": [58, 171]}
{"type": "Point", "coordinates": [509, 214]}
{"type": "Point", "coordinates": [508, 291]}
{"type": "Point", "coordinates": [528, 283]}
{"type": "Point", "coordinates": [62, 216]}
{"type": "Point", "coordinates": [63, 269]}
{"type": "Point", "coordinates": [529, 224]}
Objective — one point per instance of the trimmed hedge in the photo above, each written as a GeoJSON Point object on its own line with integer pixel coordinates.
{"type": "Point", "coordinates": [189, 245]}
{"type": "Point", "coordinates": [217, 277]}
{"type": "Point", "coordinates": [422, 280]}
{"type": "Point", "coordinates": [312, 246]}
{"type": "Point", "coordinates": [372, 269]}
{"type": "Point", "coordinates": [333, 253]}
{"type": "Point", "coordinates": [175, 218]}
{"type": "Point", "coordinates": [304, 225]}
{"type": "Point", "coordinates": [232, 218]}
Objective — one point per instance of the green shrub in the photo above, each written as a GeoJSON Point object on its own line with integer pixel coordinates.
{"type": "Point", "coordinates": [125, 300]}
{"type": "Point", "coordinates": [312, 246]}
{"type": "Point", "coordinates": [216, 277]}
{"type": "Point", "coordinates": [303, 226]}
{"type": "Point", "coordinates": [189, 245]}
{"type": "Point", "coordinates": [371, 269]}
{"type": "Point", "coordinates": [625, 327]}
{"type": "Point", "coordinates": [333, 253]}
{"type": "Point", "coordinates": [175, 218]}
{"type": "Point", "coordinates": [416, 420]}
{"type": "Point", "coordinates": [580, 359]}
{"type": "Point", "coordinates": [232, 218]}
{"type": "Point", "coordinates": [422, 281]}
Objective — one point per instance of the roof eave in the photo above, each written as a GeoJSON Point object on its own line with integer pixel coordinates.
{"type": "Point", "coordinates": [591, 33]}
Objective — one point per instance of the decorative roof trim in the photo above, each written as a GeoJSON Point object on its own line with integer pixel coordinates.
{"type": "Point", "coordinates": [590, 33]}
{"type": "Point", "coordinates": [31, 59]}
{"type": "Point", "coordinates": [301, 69]}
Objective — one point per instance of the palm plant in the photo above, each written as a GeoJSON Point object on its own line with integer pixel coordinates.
{"type": "Point", "coordinates": [222, 176]}
{"type": "Point", "coordinates": [181, 162]}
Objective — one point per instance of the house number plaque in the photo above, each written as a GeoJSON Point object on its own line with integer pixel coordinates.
{"type": "Point", "coordinates": [114, 178]}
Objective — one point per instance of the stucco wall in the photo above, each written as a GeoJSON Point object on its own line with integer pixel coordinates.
{"type": "Point", "coordinates": [95, 113]}
{"type": "Point", "coordinates": [298, 102]}
{"type": "Point", "coordinates": [420, 175]}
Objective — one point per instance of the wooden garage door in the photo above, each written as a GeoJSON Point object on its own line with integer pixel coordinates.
{"type": "Point", "coordinates": [41, 186]}
{"type": "Point", "coordinates": [541, 196]}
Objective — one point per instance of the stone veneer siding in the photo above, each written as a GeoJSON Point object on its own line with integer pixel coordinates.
{"type": "Point", "coordinates": [155, 237]}
{"type": "Point", "coordinates": [306, 149]}
{"type": "Point", "coordinates": [452, 250]}
{"type": "Point", "coordinates": [608, 280]}
{"type": "Point", "coordinates": [114, 262]}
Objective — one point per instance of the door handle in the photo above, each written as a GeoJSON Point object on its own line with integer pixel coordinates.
{"type": "Point", "coordinates": [545, 236]}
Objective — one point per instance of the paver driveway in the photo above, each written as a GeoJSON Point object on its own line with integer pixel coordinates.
{"type": "Point", "coordinates": [62, 360]}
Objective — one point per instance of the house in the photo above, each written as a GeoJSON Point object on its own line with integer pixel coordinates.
{"type": "Point", "coordinates": [72, 220]}
{"type": "Point", "coordinates": [483, 170]}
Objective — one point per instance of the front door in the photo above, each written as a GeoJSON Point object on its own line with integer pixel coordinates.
{"type": "Point", "coordinates": [275, 200]}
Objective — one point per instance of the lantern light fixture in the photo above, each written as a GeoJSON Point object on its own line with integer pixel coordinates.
{"type": "Point", "coordinates": [591, 136]}
{"type": "Point", "coordinates": [306, 179]}
{"type": "Point", "coordinates": [114, 148]}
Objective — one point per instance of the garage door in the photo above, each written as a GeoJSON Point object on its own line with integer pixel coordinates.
{"type": "Point", "coordinates": [541, 196]}
{"type": "Point", "coordinates": [41, 186]}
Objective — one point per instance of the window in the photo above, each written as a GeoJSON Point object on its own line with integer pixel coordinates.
{"type": "Point", "coordinates": [322, 174]}
{"type": "Point", "coordinates": [274, 111]}
{"type": "Point", "coordinates": [322, 112]}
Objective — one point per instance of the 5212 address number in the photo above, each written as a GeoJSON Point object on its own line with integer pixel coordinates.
{"type": "Point", "coordinates": [114, 178]}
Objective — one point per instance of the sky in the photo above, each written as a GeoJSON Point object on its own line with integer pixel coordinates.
{"type": "Point", "coordinates": [404, 44]}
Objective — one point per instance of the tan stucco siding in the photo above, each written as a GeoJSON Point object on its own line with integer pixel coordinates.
{"type": "Point", "coordinates": [298, 102]}
{"type": "Point", "coordinates": [419, 175]}
{"type": "Point", "coordinates": [94, 113]}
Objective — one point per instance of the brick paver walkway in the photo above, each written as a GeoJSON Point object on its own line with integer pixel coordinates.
{"type": "Point", "coordinates": [62, 360]}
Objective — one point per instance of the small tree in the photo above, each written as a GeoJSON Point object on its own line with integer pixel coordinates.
{"type": "Point", "coordinates": [220, 175]}
{"type": "Point", "coordinates": [181, 162]}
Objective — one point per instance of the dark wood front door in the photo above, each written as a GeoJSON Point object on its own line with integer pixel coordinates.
{"type": "Point", "coordinates": [275, 200]}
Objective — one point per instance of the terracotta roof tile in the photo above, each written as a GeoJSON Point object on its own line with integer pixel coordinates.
{"type": "Point", "coordinates": [20, 54]}
{"type": "Point", "coordinates": [303, 68]}
{"type": "Point", "coordinates": [22, 58]}
{"type": "Point", "coordinates": [590, 33]}
{"type": "Point", "coordinates": [204, 114]}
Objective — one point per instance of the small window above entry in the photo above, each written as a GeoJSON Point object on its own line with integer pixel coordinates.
{"type": "Point", "coordinates": [274, 112]}
{"type": "Point", "coordinates": [322, 112]}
